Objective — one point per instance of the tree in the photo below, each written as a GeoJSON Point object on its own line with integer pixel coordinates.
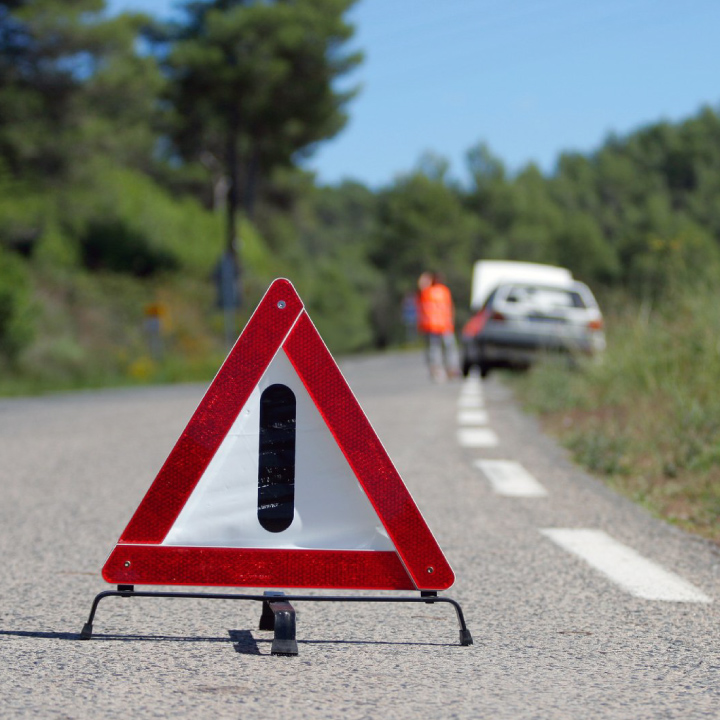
{"type": "Point", "coordinates": [72, 85]}
{"type": "Point", "coordinates": [491, 198]}
{"type": "Point", "coordinates": [582, 248]}
{"type": "Point", "coordinates": [532, 236]}
{"type": "Point", "coordinates": [15, 307]}
{"type": "Point", "coordinates": [322, 234]}
{"type": "Point", "coordinates": [422, 225]}
{"type": "Point", "coordinates": [76, 96]}
{"type": "Point", "coordinates": [252, 86]}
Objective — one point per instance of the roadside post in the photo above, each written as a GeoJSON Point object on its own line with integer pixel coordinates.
{"type": "Point", "coordinates": [155, 318]}
{"type": "Point", "coordinates": [279, 481]}
{"type": "Point", "coordinates": [227, 283]}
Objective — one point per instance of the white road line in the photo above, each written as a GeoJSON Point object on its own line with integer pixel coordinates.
{"type": "Point", "coordinates": [470, 401]}
{"type": "Point", "coordinates": [510, 478]}
{"type": "Point", "coordinates": [471, 392]}
{"type": "Point", "coordinates": [472, 417]}
{"type": "Point", "coordinates": [472, 381]}
{"type": "Point", "coordinates": [477, 438]}
{"type": "Point", "coordinates": [638, 575]}
{"type": "Point", "coordinates": [469, 388]}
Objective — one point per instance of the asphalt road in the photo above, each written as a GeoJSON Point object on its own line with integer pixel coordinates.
{"type": "Point", "coordinates": [555, 636]}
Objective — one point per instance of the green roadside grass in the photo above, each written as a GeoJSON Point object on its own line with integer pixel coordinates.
{"type": "Point", "coordinates": [646, 417]}
{"type": "Point", "coordinates": [95, 330]}
{"type": "Point", "coordinates": [90, 330]}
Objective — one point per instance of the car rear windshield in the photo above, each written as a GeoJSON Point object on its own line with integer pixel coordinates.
{"type": "Point", "coordinates": [544, 297]}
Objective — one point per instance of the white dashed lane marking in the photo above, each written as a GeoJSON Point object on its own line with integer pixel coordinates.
{"type": "Point", "coordinates": [470, 401]}
{"type": "Point", "coordinates": [471, 395]}
{"type": "Point", "coordinates": [477, 437]}
{"type": "Point", "coordinates": [471, 386]}
{"type": "Point", "coordinates": [510, 478]}
{"type": "Point", "coordinates": [619, 563]}
{"type": "Point", "coordinates": [472, 417]}
{"type": "Point", "coordinates": [625, 567]}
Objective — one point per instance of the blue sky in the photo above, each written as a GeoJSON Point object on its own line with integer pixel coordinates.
{"type": "Point", "coordinates": [531, 78]}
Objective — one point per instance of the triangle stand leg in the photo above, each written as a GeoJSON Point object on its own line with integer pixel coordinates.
{"type": "Point", "coordinates": [267, 617]}
{"type": "Point", "coordinates": [279, 616]}
{"type": "Point", "coordinates": [277, 613]}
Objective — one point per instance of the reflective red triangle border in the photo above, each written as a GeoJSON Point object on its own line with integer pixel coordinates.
{"type": "Point", "coordinates": [280, 321]}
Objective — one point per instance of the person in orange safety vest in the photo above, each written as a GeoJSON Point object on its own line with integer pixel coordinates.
{"type": "Point", "coordinates": [436, 321]}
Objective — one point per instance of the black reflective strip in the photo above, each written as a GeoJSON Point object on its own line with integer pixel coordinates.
{"type": "Point", "coordinates": [276, 469]}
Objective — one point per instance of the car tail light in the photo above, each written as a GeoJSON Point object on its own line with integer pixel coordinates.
{"type": "Point", "coordinates": [595, 324]}
{"type": "Point", "coordinates": [497, 316]}
{"type": "Point", "coordinates": [475, 324]}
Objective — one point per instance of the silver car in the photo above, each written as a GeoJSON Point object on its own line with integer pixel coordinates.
{"type": "Point", "coordinates": [521, 320]}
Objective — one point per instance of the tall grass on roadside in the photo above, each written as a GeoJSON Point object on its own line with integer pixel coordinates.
{"type": "Point", "coordinates": [647, 416]}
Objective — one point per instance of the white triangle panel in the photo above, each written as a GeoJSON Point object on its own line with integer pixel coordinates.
{"type": "Point", "coordinates": [332, 511]}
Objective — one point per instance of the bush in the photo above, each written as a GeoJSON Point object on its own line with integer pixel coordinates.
{"type": "Point", "coordinates": [338, 308]}
{"type": "Point", "coordinates": [113, 245]}
{"type": "Point", "coordinates": [648, 416]}
{"type": "Point", "coordinates": [16, 321]}
{"type": "Point", "coordinates": [126, 222]}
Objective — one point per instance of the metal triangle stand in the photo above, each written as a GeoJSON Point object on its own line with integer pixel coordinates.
{"type": "Point", "coordinates": [278, 615]}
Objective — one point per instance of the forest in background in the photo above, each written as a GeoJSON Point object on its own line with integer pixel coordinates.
{"type": "Point", "coordinates": [134, 154]}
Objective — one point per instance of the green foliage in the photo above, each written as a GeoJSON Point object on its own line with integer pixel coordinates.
{"type": "Point", "coordinates": [422, 225]}
{"type": "Point", "coordinates": [55, 248]}
{"type": "Point", "coordinates": [581, 246]}
{"type": "Point", "coordinates": [536, 219]}
{"type": "Point", "coordinates": [16, 312]}
{"type": "Point", "coordinates": [72, 85]}
{"type": "Point", "coordinates": [21, 215]}
{"type": "Point", "coordinates": [124, 221]}
{"type": "Point", "coordinates": [118, 158]}
{"type": "Point", "coordinates": [601, 454]}
{"type": "Point", "coordinates": [253, 84]}
{"type": "Point", "coordinates": [323, 236]}
{"type": "Point", "coordinates": [112, 245]}
{"type": "Point", "coordinates": [340, 311]}
{"type": "Point", "coordinates": [648, 414]}
{"type": "Point", "coordinates": [627, 215]}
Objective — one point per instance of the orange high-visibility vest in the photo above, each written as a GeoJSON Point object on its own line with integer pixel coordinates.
{"type": "Point", "coordinates": [435, 310]}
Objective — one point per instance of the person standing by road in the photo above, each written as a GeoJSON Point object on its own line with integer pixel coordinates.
{"type": "Point", "coordinates": [436, 321]}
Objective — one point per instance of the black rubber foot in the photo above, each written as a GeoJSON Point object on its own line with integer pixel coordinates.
{"type": "Point", "coordinates": [465, 637]}
{"type": "Point", "coordinates": [286, 648]}
{"type": "Point", "coordinates": [86, 633]}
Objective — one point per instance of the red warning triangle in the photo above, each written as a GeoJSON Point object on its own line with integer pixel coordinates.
{"type": "Point", "coordinates": [349, 521]}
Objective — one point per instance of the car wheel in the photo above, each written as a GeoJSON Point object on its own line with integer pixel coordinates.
{"type": "Point", "coordinates": [484, 370]}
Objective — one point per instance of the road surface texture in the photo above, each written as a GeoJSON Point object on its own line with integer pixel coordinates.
{"type": "Point", "coordinates": [621, 620]}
